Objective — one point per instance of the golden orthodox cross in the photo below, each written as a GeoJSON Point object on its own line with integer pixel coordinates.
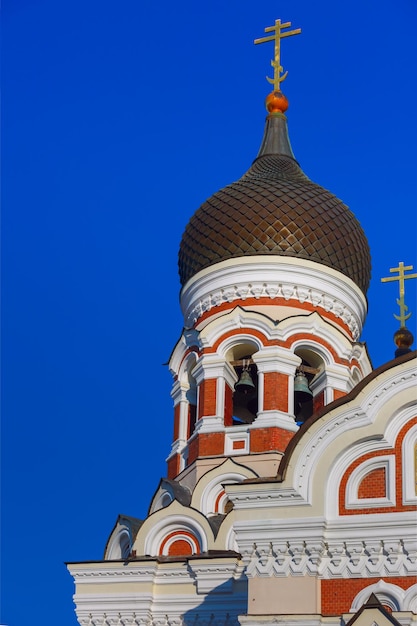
{"type": "Point", "coordinates": [401, 269]}
{"type": "Point", "coordinates": [276, 63]}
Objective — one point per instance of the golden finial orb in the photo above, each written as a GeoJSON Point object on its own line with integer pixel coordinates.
{"type": "Point", "coordinates": [403, 338]}
{"type": "Point", "coordinates": [276, 102]}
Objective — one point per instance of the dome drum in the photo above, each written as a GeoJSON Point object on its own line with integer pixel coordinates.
{"type": "Point", "coordinates": [283, 281]}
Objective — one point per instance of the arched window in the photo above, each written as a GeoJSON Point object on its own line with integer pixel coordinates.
{"type": "Point", "coordinates": [309, 392]}
{"type": "Point", "coordinates": [189, 383]}
{"type": "Point", "coordinates": [245, 393]}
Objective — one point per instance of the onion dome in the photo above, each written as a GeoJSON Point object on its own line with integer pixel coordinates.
{"type": "Point", "coordinates": [275, 209]}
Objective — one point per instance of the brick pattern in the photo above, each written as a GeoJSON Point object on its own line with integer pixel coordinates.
{"type": "Point", "coordinates": [397, 451]}
{"type": "Point", "coordinates": [238, 445]}
{"type": "Point", "coordinates": [373, 485]}
{"type": "Point", "coordinates": [267, 439]}
{"type": "Point", "coordinates": [173, 466]}
{"type": "Point", "coordinates": [207, 398]}
{"type": "Point", "coordinates": [337, 594]}
{"type": "Point", "coordinates": [275, 391]}
{"type": "Point", "coordinates": [337, 393]}
{"type": "Point", "coordinates": [206, 444]}
{"type": "Point", "coordinates": [180, 546]}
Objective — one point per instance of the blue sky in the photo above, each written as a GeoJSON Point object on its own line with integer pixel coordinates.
{"type": "Point", "coordinates": [119, 120]}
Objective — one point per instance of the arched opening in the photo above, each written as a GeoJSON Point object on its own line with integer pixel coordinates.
{"type": "Point", "coordinates": [245, 395]}
{"type": "Point", "coordinates": [245, 392]}
{"type": "Point", "coordinates": [308, 396]}
{"type": "Point", "coordinates": [191, 396]}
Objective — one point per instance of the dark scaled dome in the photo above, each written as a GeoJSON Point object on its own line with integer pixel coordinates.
{"type": "Point", "coordinates": [275, 209]}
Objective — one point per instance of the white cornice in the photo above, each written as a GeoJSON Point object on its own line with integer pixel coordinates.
{"type": "Point", "coordinates": [274, 277]}
{"type": "Point", "coordinates": [270, 550]}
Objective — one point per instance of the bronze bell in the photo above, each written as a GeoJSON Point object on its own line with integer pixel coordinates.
{"type": "Point", "coordinates": [245, 383]}
{"type": "Point", "coordinates": [302, 391]}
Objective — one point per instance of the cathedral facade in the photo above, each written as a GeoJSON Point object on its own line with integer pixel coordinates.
{"type": "Point", "coordinates": [290, 493]}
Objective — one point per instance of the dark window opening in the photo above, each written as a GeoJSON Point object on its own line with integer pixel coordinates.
{"type": "Point", "coordinates": [303, 396]}
{"type": "Point", "coordinates": [245, 396]}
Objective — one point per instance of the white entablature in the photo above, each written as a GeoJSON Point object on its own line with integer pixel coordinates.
{"type": "Point", "coordinates": [274, 277]}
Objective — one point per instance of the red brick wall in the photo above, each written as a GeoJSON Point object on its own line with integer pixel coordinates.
{"type": "Point", "coordinates": [338, 394]}
{"type": "Point", "coordinates": [275, 391]}
{"type": "Point", "coordinates": [338, 594]}
{"type": "Point", "coordinates": [174, 466]}
{"type": "Point", "coordinates": [206, 444]}
{"type": "Point", "coordinates": [180, 548]}
{"type": "Point", "coordinates": [265, 439]}
{"type": "Point", "coordinates": [373, 485]}
{"type": "Point", "coordinates": [207, 398]}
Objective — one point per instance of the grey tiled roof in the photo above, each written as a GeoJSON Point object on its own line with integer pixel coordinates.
{"type": "Point", "coordinates": [275, 209]}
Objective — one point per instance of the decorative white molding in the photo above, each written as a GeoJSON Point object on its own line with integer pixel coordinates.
{"type": "Point", "coordinates": [168, 609]}
{"type": "Point", "coordinates": [215, 574]}
{"type": "Point", "coordinates": [392, 385]}
{"type": "Point", "coordinates": [236, 433]}
{"type": "Point", "coordinates": [84, 574]}
{"type": "Point", "coordinates": [409, 465]}
{"type": "Point", "coordinates": [316, 331]}
{"type": "Point", "coordinates": [345, 418]}
{"type": "Point", "coordinates": [254, 496]}
{"type": "Point", "coordinates": [179, 391]}
{"type": "Point", "coordinates": [120, 542]}
{"type": "Point", "coordinates": [276, 419]}
{"type": "Point", "coordinates": [183, 536]}
{"type": "Point", "coordinates": [289, 620]}
{"type": "Point", "coordinates": [162, 527]}
{"type": "Point", "coordinates": [274, 277]}
{"type": "Point", "coordinates": [395, 597]}
{"type": "Point", "coordinates": [207, 503]}
{"type": "Point", "coordinates": [331, 559]}
{"type": "Point", "coordinates": [352, 499]}
{"type": "Point", "coordinates": [276, 359]}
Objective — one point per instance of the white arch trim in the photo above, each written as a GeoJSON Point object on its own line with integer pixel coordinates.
{"type": "Point", "coordinates": [352, 499]}
{"type": "Point", "coordinates": [180, 535]}
{"type": "Point", "coordinates": [120, 544]}
{"type": "Point", "coordinates": [409, 465]}
{"type": "Point", "coordinates": [172, 523]}
{"type": "Point", "coordinates": [214, 488]}
{"type": "Point", "coordinates": [350, 428]}
{"type": "Point", "coordinates": [395, 597]}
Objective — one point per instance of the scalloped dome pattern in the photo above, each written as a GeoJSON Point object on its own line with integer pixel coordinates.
{"type": "Point", "coordinates": [275, 209]}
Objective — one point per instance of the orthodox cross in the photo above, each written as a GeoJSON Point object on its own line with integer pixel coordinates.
{"type": "Point", "coordinates": [401, 269]}
{"type": "Point", "coordinates": [276, 62]}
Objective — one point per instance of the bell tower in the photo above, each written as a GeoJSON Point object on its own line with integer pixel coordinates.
{"type": "Point", "coordinates": [274, 271]}
{"type": "Point", "coordinates": [290, 496]}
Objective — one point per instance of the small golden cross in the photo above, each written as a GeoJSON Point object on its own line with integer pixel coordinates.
{"type": "Point", "coordinates": [276, 63]}
{"type": "Point", "coordinates": [401, 269]}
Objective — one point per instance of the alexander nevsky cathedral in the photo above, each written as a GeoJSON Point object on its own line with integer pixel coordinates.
{"type": "Point", "coordinates": [290, 494]}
